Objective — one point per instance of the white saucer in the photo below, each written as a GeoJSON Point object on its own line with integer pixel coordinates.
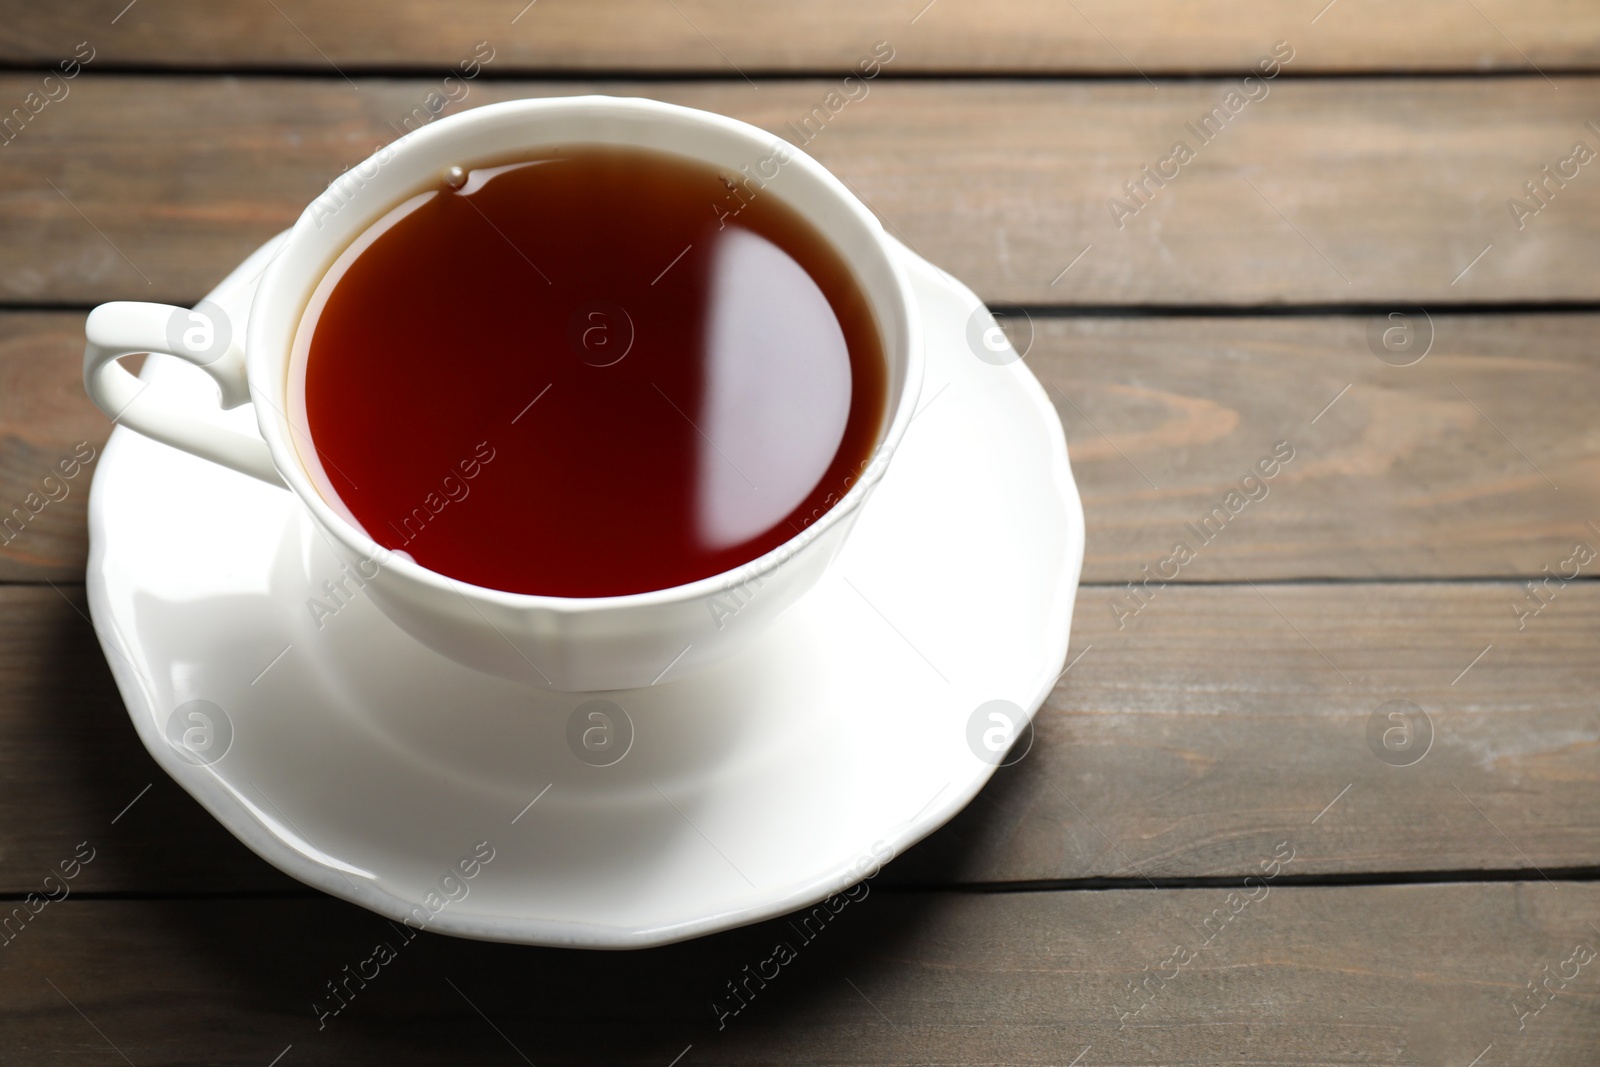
{"type": "Point", "coordinates": [363, 764]}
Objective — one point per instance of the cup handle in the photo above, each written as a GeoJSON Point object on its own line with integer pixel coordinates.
{"type": "Point", "coordinates": [125, 328]}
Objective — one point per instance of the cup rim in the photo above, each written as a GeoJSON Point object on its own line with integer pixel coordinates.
{"type": "Point", "coordinates": [277, 284]}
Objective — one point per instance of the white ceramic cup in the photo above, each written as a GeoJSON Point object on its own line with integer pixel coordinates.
{"type": "Point", "coordinates": [575, 644]}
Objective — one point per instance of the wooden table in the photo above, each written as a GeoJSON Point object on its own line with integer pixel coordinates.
{"type": "Point", "coordinates": [1092, 906]}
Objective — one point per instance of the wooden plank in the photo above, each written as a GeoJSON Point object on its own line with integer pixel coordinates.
{"type": "Point", "coordinates": [1217, 720]}
{"type": "Point", "coordinates": [1185, 744]}
{"type": "Point", "coordinates": [1402, 477]}
{"type": "Point", "coordinates": [1431, 974]}
{"type": "Point", "coordinates": [1445, 468]}
{"type": "Point", "coordinates": [45, 421]}
{"type": "Point", "coordinates": [723, 36]}
{"type": "Point", "coordinates": [1343, 190]}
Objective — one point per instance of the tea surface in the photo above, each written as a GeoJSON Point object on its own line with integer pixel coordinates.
{"type": "Point", "coordinates": [596, 372]}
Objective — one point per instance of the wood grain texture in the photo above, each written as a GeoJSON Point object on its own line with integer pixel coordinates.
{"type": "Point", "coordinates": [724, 36]}
{"type": "Point", "coordinates": [1185, 744]}
{"type": "Point", "coordinates": [1424, 974]}
{"type": "Point", "coordinates": [1218, 720]}
{"type": "Point", "coordinates": [1206, 727]}
{"type": "Point", "coordinates": [1343, 190]}
{"type": "Point", "coordinates": [1402, 477]}
{"type": "Point", "coordinates": [45, 420]}
{"type": "Point", "coordinates": [1480, 460]}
